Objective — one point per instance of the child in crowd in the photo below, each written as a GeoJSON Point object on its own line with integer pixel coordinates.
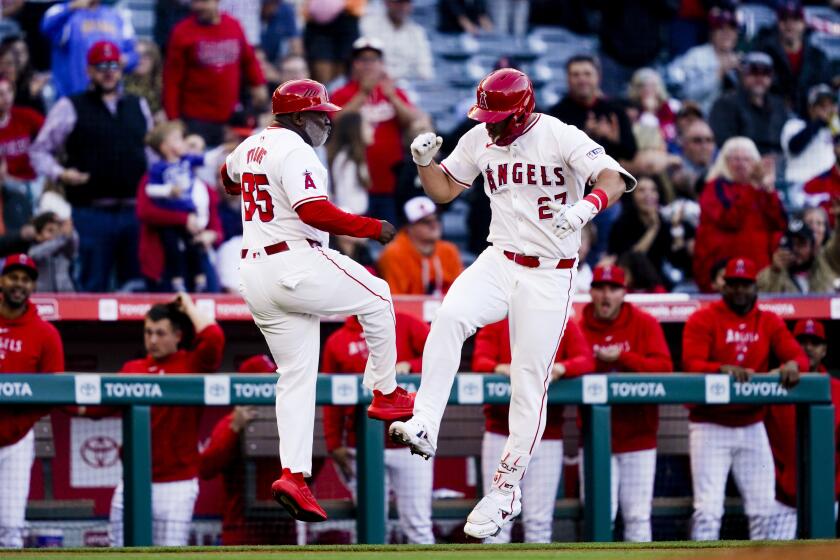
{"type": "Point", "coordinates": [54, 250]}
{"type": "Point", "coordinates": [173, 186]}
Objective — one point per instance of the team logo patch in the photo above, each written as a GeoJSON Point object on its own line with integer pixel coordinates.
{"type": "Point", "coordinates": [308, 183]}
{"type": "Point", "coordinates": [592, 154]}
{"type": "Point", "coordinates": [482, 100]}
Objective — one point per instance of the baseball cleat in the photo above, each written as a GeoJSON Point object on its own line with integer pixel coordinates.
{"type": "Point", "coordinates": [291, 492]}
{"type": "Point", "coordinates": [492, 513]}
{"type": "Point", "coordinates": [413, 434]}
{"type": "Point", "coordinates": [396, 405]}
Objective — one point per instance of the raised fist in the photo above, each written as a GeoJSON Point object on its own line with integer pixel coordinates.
{"type": "Point", "coordinates": [424, 148]}
{"type": "Point", "coordinates": [388, 232]}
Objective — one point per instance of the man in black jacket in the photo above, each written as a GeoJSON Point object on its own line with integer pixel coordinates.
{"type": "Point", "coordinates": [797, 64]}
{"type": "Point", "coordinates": [751, 110]}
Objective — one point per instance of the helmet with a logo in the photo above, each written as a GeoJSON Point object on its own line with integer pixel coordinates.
{"type": "Point", "coordinates": [301, 95]}
{"type": "Point", "coordinates": [503, 93]}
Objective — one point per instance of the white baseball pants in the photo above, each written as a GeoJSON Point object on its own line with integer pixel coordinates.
{"type": "Point", "coordinates": [412, 482]}
{"type": "Point", "coordinates": [746, 451]}
{"type": "Point", "coordinates": [172, 510]}
{"type": "Point", "coordinates": [632, 475]}
{"type": "Point", "coordinates": [783, 523]}
{"type": "Point", "coordinates": [287, 293]}
{"type": "Point", "coordinates": [536, 302]}
{"type": "Point", "coordinates": [539, 488]}
{"type": "Point", "coordinates": [15, 472]}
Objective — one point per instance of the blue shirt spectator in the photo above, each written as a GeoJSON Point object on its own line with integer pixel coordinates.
{"type": "Point", "coordinates": [170, 184]}
{"type": "Point", "coordinates": [72, 28]}
{"type": "Point", "coordinates": [278, 26]}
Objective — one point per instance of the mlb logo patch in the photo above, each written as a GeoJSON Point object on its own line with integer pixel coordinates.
{"type": "Point", "coordinates": [592, 154]}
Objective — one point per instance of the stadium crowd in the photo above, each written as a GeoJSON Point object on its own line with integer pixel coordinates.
{"type": "Point", "coordinates": [111, 145]}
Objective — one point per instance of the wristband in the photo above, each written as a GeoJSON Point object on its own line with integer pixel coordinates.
{"type": "Point", "coordinates": [598, 198]}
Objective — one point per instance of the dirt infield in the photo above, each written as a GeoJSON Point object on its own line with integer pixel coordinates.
{"type": "Point", "coordinates": [821, 550]}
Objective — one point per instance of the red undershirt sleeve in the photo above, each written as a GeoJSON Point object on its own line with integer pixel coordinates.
{"type": "Point", "coordinates": [324, 215]}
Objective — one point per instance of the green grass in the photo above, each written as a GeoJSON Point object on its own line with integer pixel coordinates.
{"type": "Point", "coordinates": [564, 551]}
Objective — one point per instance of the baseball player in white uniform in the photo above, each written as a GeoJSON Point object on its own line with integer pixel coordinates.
{"type": "Point", "coordinates": [289, 277]}
{"type": "Point", "coordinates": [535, 171]}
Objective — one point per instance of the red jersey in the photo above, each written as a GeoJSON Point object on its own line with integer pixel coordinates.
{"type": "Point", "coordinates": [223, 456]}
{"type": "Point", "coordinates": [28, 344]}
{"type": "Point", "coordinates": [202, 75]}
{"type": "Point", "coordinates": [492, 347]}
{"type": "Point", "coordinates": [827, 183]}
{"type": "Point", "coordinates": [643, 350]}
{"type": "Point", "coordinates": [175, 428]}
{"type": "Point", "coordinates": [715, 336]}
{"type": "Point", "coordinates": [780, 422]}
{"type": "Point", "coordinates": [16, 134]}
{"type": "Point", "coordinates": [736, 220]}
{"type": "Point", "coordinates": [346, 351]}
{"type": "Point", "coordinates": [386, 150]}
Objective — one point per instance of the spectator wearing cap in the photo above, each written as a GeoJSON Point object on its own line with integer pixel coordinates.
{"type": "Point", "coordinates": [386, 108]}
{"type": "Point", "coordinates": [463, 16]}
{"type": "Point", "coordinates": [798, 65]}
{"type": "Point", "coordinates": [625, 339]}
{"type": "Point", "coordinates": [741, 213]}
{"type": "Point", "coordinates": [102, 133]}
{"type": "Point", "coordinates": [208, 62]}
{"type": "Point", "coordinates": [704, 72]}
{"type": "Point", "coordinates": [800, 266]}
{"type": "Point", "coordinates": [331, 28]}
{"type": "Point", "coordinates": [30, 345]}
{"type": "Point", "coordinates": [751, 110]}
{"type": "Point", "coordinates": [734, 336]}
{"type": "Point", "coordinates": [780, 423]}
{"type": "Point", "coordinates": [407, 52]}
{"type": "Point", "coordinates": [808, 144]}
{"type": "Point", "coordinates": [418, 261]}
{"type": "Point", "coordinates": [73, 27]}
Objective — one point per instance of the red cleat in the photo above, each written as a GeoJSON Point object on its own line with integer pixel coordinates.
{"type": "Point", "coordinates": [397, 405]}
{"type": "Point", "coordinates": [291, 492]}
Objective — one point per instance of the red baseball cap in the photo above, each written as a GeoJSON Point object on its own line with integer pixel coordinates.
{"type": "Point", "coordinates": [809, 327]}
{"type": "Point", "coordinates": [258, 364]}
{"type": "Point", "coordinates": [609, 274]}
{"type": "Point", "coordinates": [740, 269]}
{"type": "Point", "coordinates": [23, 262]}
{"type": "Point", "coordinates": [103, 51]}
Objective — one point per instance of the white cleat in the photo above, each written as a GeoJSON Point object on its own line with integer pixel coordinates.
{"type": "Point", "coordinates": [413, 433]}
{"type": "Point", "coordinates": [492, 513]}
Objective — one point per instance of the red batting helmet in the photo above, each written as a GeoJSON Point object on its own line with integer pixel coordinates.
{"type": "Point", "coordinates": [301, 95]}
{"type": "Point", "coordinates": [503, 93]}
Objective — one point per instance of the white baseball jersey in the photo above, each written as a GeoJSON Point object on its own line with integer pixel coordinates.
{"type": "Point", "coordinates": [278, 172]}
{"type": "Point", "coordinates": [550, 161]}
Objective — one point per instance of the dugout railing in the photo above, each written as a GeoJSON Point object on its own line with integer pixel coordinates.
{"type": "Point", "coordinates": [593, 393]}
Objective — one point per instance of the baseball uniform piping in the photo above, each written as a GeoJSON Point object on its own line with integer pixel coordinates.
{"type": "Point", "coordinates": [360, 283]}
{"type": "Point", "coordinates": [453, 177]}
{"type": "Point", "coordinates": [310, 199]}
{"type": "Point", "coordinates": [550, 364]}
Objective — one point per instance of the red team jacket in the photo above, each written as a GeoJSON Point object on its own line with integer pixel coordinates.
{"type": "Point", "coordinates": [175, 428]}
{"type": "Point", "coordinates": [492, 347]}
{"type": "Point", "coordinates": [633, 428]}
{"type": "Point", "coordinates": [780, 422]}
{"type": "Point", "coordinates": [345, 351]}
{"type": "Point", "coordinates": [201, 59]}
{"type": "Point", "coordinates": [15, 137]}
{"type": "Point", "coordinates": [736, 221]}
{"type": "Point", "coordinates": [715, 336]}
{"type": "Point", "coordinates": [28, 344]}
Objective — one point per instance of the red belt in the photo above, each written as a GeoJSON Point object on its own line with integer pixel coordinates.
{"type": "Point", "coordinates": [534, 262]}
{"type": "Point", "coordinates": [280, 247]}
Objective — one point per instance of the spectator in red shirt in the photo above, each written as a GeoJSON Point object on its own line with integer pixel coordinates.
{"type": "Point", "coordinates": [387, 109]}
{"type": "Point", "coordinates": [223, 456]}
{"type": "Point", "coordinates": [626, 339]}
{"type": "Point", "coordinates": [492, 354]}
{"type": "Point", "coordinates": [741, 214]}
{"type": "Point", "coordinates": [345, 351]}
{"type": "Point", "coordinates": [29, 345]}
{"type": "Point", "coordinates": [206, 60]}
{"type": "Point", "coordinates": [735, 337]}
{"type": "Point", "coordinates": [169, 330]}
{"type": "Point", "coordinates": [780, 423]}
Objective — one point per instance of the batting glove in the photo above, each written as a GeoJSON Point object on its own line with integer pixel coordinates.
{"type": "Point", "coordinates": [571, 218]}
{"type": "Point", "coordinates": [424, 148]}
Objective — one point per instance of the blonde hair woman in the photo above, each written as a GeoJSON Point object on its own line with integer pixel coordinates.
{"type": "Point", "coordinates": [741, 214]}
{"type": "Point", "coordinates": [648, 95]}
